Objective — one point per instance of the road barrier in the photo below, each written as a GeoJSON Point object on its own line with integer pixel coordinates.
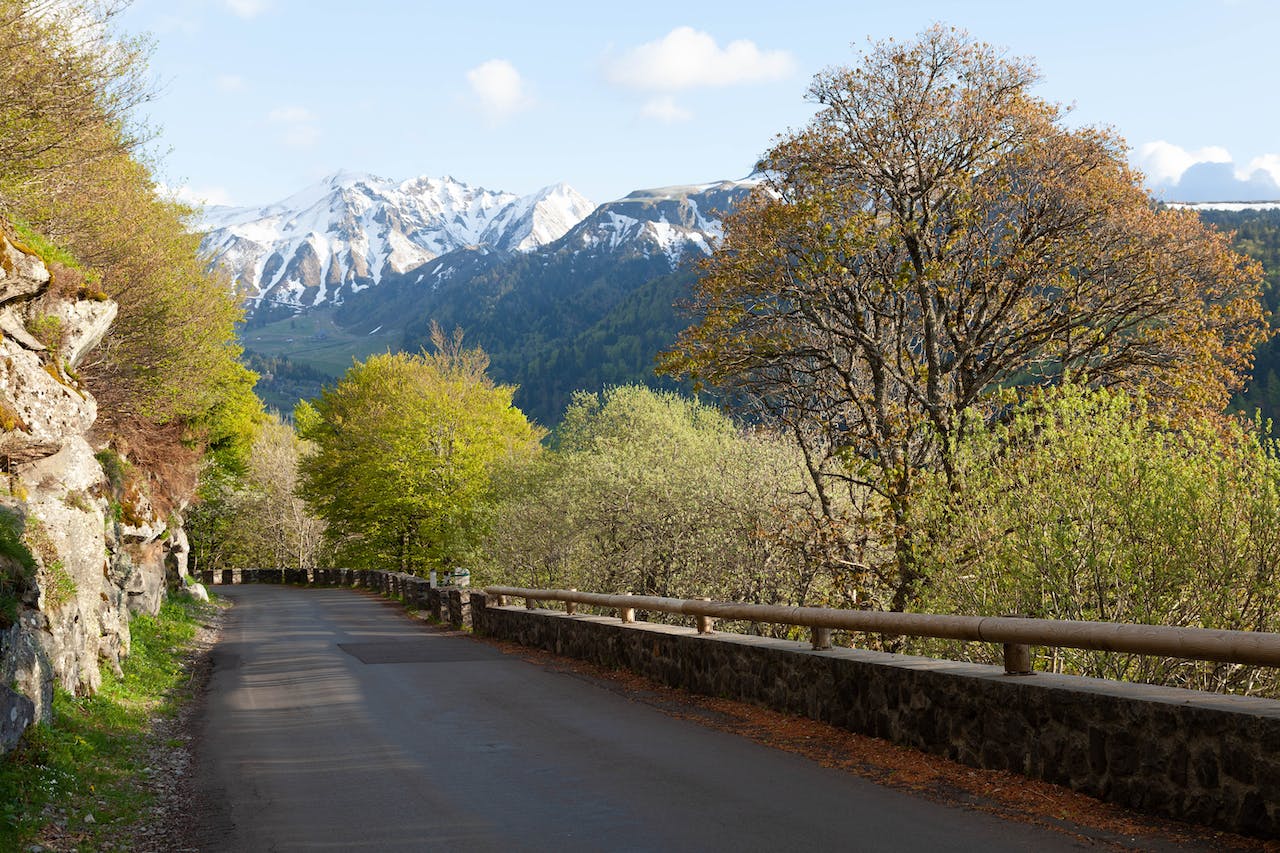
{"type": "Point", "coordinates": [1016, 634]}
{"type": "Point", "coordinates": [450, 605]}
{"type": "Point", "coordinates": [1203, 757]}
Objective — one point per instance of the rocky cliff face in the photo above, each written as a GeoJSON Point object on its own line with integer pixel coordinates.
{"type": "Point", "coordinates": [71, 568]}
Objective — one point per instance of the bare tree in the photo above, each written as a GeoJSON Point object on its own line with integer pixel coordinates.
{"type": "Point", "coordinates": [935, 240]}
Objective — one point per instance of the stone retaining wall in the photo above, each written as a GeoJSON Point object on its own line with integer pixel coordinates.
{"type": "Point", "coordinates": [1196, 756]}
{"type": "Point", "coordinates": [443, 604]}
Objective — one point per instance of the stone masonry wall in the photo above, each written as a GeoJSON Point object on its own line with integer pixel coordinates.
{"type": "Point", "coordinates": [444, 604]}
{"type": "Point", "coordinates": [1195, 756]}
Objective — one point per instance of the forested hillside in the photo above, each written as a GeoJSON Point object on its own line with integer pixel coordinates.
{"type": "Point", "coordinates": [550, 341]}
{"type": "Point", "coordinates": [1258, 235]}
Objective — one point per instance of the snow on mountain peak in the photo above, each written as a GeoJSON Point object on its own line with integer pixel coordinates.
{"type": "Point", "coordinates": [673, 221]}
{"type": "Point", "coordinates": [344, 232]}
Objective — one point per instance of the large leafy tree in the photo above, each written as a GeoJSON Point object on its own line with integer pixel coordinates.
{"type": "Point", "coordinates": [166, 376]}
{"type": "Point", "coordinates": [405, 446]}
{"type": "Point", "coordinates": [933, 240]}
{"type": "Point", "coordinates": [68, 84]}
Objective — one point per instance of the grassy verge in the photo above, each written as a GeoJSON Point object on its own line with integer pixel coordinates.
{"type": "Point", "coordinates": [90, 759]}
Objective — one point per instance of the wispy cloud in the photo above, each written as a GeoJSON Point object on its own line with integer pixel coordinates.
{"type": "Point", "coordinates": [298, 126]}
{"type": "Point", "coordinates": [686, 58]}
{"type": "Point", "coordinates": [246, 8]}
{"type": "Point", "coordinates": [290, 114]}
{"type": "Point", "coordinates": [229, 83]}
{"type": "Point", "coordinates": [196, 196]}
{"type": "Point", "coordinates": [499, 90]}
{"type": "Point", "coordinates": [665, 109]}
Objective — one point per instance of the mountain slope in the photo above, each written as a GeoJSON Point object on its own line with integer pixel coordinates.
{"type": "Point", "coordinates": [591, 308]}
{"type": "Point", "coordinates": [349, 231]}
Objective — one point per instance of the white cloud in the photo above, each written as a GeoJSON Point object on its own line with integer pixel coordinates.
{"type": "Point", "coordinates": [1269, 163]}
{"type": "Point", "coordinates": [196, 196]}
{"type": "Point", "coordinates": [299, 126]}
{"type": "Point", "coordinates": [686, 58]}
{"type": "Point", "coordinates": [665, 109]}
{"type": "Point", "coordinates": [246, 8]}
{"type": "Point", "coordinates": [1207, 174]}
{"type": "Point", "coordinates": [499, 88]}
{"type": "Point", "coordinates": [229, 83]}
{"type": "Point", "coordinates": [204, 195]}
{"type": "Point", "coordinates": [290, 115]}
{"type": "Point", "coordinates": [1163, 162]}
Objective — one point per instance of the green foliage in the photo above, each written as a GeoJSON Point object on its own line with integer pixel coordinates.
{"type": "Point", "coordinates": [115, 467]}
{"type": "Point", "coordinates": [1257, 234]}
{"type": "Point", "coordinates": [404, 451]}
{"type": "Point", "coordinates": [125, 487]}
{"type": "Point", "coordinates": [56, 584]}
{"type": "Point", "coordinates": [17, 566]}
{"type": "Point", "coordinates": [90, 758]}
{"type": "Point", "coordinates": [254, 517]}
{"type": "Point", "coordinates": [80, 197]}
{"type": "Point", "coordinates": [1087, 505]}
{"type": "Point", "coordinates": [654, 493]}
{"type": "Point", "coordinates": [47, 329]}
{"type": "Point", "coordinates": [42, 247]}
{"type": "Point", "coordinates": [233, 421]}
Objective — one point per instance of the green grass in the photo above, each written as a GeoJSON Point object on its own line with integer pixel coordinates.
{"type": "Point", "coordinates": [44, 248]}
{"type": "Point", "coordinates": [315, 340]}
{"type": "Point", "coordinates": [89, 760]}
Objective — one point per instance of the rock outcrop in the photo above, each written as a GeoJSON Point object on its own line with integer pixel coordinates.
{"type": "Point", "coordinates": [71, 571]}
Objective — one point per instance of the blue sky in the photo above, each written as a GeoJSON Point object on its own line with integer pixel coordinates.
{"type": "Point", "coordinates": [259, 98]}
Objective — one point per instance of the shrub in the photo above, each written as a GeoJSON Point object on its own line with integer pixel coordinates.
{"type": "Point", "coordinates": [1089, 506]}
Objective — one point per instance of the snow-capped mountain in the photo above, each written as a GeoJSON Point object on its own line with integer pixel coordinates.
{"type": "Point", "coordinates": [673, 221]}
{"type": "Point", "coordinates": [345, 233]}
{"type": "Point", "coordinates": [594, 306]}
{"type": "Point", "coordinates": [672, 224]}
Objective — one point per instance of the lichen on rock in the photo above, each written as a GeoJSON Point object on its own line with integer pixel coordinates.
{"type": "Point", "coordinates": [92, 568]}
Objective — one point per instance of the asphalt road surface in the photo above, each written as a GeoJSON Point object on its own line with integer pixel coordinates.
{"type": "Point", "coordinates": [335, 722]}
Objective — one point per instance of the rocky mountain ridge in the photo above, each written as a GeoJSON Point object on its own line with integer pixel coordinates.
{"type": "Point", "coordinates": [345, 234]}
{"type": "Point", "coordinates": [590, 309]}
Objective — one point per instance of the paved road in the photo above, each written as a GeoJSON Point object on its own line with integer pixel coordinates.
{"type": "Point", "coordinates": [334, 722]}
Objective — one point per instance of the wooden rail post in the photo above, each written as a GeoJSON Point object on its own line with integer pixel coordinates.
{"type": "Point", "coordinates": [571, 607]}
{"type": "Point", "coordinates": [530, 603]}
{"type": "Point", "coordinates": [627, 614]}
{"type": "Point", "coordinates": [821, 638]}
{"type": "Point", "coordinates": [1017, 659]}
{"type": "Point", "coordinates": [706, 623]}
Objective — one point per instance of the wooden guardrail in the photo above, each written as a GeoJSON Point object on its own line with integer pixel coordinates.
{"type": "Point", "coordinates": [1016, 634]}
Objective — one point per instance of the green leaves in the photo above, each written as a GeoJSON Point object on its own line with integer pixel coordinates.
{"type": "Point", "coordinates": [1088, 505]}
{"type": "Point", "coordinates": [405, 448]}
{"type": "Point", "coordinates": [655, 493]}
